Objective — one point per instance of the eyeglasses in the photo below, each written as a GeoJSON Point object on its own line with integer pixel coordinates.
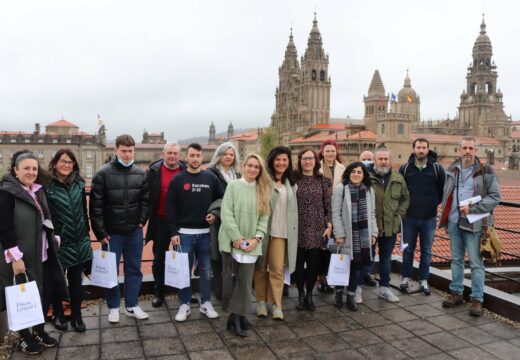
{"type": "Point", "coordinates": [257, 167]}
{"type": "Point", "coordinates": [308, 158]}
{"type": "Point", "coordinates": [68, 163]}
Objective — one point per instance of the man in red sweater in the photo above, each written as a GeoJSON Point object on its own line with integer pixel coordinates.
{"type": "Point", "coordinates": [159, 175]}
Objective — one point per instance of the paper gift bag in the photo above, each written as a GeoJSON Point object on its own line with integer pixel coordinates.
{"type": "Point", "coordinates": [339, 270]}
{"type": "Point", "coordinates": [176, 269]}
{"type": "Point", "coordinates": [24, 307]}
{"type": "Point", "coordinates": [104, 269]}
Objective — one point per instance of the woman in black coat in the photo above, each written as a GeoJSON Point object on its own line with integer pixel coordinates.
{"type": "Point", "coordinates": [27, 242]}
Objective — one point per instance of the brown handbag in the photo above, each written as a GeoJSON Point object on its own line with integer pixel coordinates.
{"type": "Point", "coordinates": [490, 245]}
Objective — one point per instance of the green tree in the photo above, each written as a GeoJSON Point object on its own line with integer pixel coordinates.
{"type": "Point", "coordinates": [268, 140]}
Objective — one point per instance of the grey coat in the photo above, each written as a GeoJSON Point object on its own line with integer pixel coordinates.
{"type": "Point", "coordinates": [292, 226]}
{"type": "Point", "coordinates": [342, 217]}
{"type": "Point", "coordinates": [490, 196]}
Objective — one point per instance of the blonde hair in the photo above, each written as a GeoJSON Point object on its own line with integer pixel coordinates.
{"type": "Point", "coordinates": [264, 185]}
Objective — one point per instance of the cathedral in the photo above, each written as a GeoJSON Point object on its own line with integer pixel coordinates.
{"type": "Point", "coordinates": [303, 108]}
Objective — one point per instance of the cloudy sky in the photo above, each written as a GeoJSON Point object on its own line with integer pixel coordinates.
{"type": "Point", "coordinates": [177, 66]}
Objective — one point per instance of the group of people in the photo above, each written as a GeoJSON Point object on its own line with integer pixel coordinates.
{"type": "Point", "coordinates": [240, 224]}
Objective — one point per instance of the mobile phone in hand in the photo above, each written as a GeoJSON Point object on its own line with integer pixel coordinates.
{"type": "Point", "coordinates": [244, 244]}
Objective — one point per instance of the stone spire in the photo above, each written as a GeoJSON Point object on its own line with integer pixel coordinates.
{"type": "Point", "coordinates": [212, 134]}
{"type": "Point", "coordinates": [376, 85]}
{"type": "Point", "coordinates": [291, 54]}
{"type": "Point", "coordinates": [314, 43]}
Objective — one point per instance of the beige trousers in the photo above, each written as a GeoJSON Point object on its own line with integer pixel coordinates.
{"type": "Point", "coordinates": [269, 284]}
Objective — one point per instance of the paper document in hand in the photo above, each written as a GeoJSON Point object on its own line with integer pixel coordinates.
{"type": "Point", "coordinates": [470, 201]}
{"type": "Point", "coordinates": [476, 217]}
{"type": "Point", "coordinates": [403, 245]}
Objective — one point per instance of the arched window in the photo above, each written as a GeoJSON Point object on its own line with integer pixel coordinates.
{"type": "Point", "coordinates": [382, 128]}
{"type": "Point", "coordinates": [400, 129]}
{"type": "Point", "coordinates": [322, 75]}
{"type": "Point", "coordinates": [313, 74]}
{"type": "Point", "coordinates": [489, 88]}
{"type": "Point", "coordinates": [473, 89]}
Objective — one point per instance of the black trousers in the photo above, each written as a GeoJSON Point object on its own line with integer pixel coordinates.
{"type": "Point", "coordinates": [160, 246]}
{"type": "Point", "coordinates": [352, 279]}
{"type": "Point", "coordinates": [306, 277]}
{"type": "Point", "coordinates": [323, 266]}
{"type": "Point", "coordinates": [75, 292]}
{"type": "Point", "coordinates": [46, 299]}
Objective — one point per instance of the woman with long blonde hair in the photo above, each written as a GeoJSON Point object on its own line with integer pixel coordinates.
{"type": "Point", "coordinates": [244, 213]}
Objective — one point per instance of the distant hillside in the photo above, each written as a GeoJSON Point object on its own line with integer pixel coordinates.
{"type": "Point", "coordinates": [204, 139]}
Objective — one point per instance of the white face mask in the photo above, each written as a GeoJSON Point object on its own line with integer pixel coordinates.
{"type": "Point", "coordinates": [367, 162]}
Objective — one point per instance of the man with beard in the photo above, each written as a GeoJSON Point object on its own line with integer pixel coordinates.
{"type": "Point", "coordinates": [465, 178]}
{"type": "Point", "coordinates": [392, 200]}
{"type": "Point", "coordinates": [159, 175]}
{"type": "Point", "coordinates": [190, 194]}
{"type": "Point", "coordinates": [425, 182]}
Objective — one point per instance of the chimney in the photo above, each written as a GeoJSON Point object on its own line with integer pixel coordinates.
{"type": "Point", "coordinates": [37, 129]}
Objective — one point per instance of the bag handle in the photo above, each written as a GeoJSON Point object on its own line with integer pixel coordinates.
{"type": "Point", "coordinates": [26, 278]}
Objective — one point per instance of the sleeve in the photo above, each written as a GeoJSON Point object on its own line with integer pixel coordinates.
{"type": "Point", "coordinates": [404, 201]}
{"type": "Point", "coordinates": [261, 226]}
{"type": "Point", "coordinates": [327, 189]}
{"type": "Point", "coordinates": [85, 209]}
{"type": "Point", "coordinates": [97, 201]}
{"type": "Point", "coordinates": [492, 196]}
{"type": "Point", "coordinates": [171, 206]}
{"type": "Point", "coordinates": [145, 201]}
{"type": "Point", "coordinates": [441, 180]}
{"type": "Point", "coordinates": [375, 230]}
{"type": "Point", "coordinates": [227, 213]}
{"type": "Point", "coordinates": [7, 234]}
{"type": "Point", "coordinates": [337, 208]}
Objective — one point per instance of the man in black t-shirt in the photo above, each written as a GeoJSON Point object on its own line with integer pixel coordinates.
{"type": "Point", "coordinates": [190, 194]}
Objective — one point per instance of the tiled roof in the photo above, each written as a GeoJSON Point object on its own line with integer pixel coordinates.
{"type": "Point", "coordinates": [62, 123]}
{"type": "Point", "coordinates": [442, 138]}
{"type": "Point", "coordinates": [505, 217]}
{"type": "Point", "coordinates": [515, 134]}
{"type": "Point", "coordinates": [246, 136]}
{"type": "Point", "coordinates": [334, 126]}
{"type": "Point", "coordinates": [338, 136]}
{"type": "Point", "coordinates": [365, 135]}
{"type": "Point", "coordinates": [14, 133]}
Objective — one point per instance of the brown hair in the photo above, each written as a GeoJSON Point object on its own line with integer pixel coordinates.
{"type": "Point", "coordinates": [125, 140]}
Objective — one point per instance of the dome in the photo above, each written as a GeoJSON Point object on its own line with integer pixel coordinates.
{"type": "Point", "coordinates": [407, 90]}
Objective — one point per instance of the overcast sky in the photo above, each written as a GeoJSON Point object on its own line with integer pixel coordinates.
{"type": "Point", "coordinates": [177, 66]}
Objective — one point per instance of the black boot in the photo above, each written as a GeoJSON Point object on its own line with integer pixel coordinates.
{"type": "Point", "coordinates": [78, 324]}
{"type": "Point", "coordinates": [285, 291]}
{"type": "Point", "coordinates": [308, 301]}
{"type": "Point", "coordinates": [339, 299]}
{"type": "Point", "coordinates": [233, 325]}
{"type": "Point", "coordinates": [59, 321]}
{"type": "Point", "coordinates": [301, 301]}
{"type": "Point", "coordinates": [158, 298]}
{"type": "Point", "coordinates": [351, 303]}
{"type": "Point", "coordinates": [244, 323]}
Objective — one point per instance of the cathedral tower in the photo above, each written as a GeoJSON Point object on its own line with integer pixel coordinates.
{"type": "Point", "coordinates": [481, 110]}
{"type": "Point", "coordinates": [315, 80]}
{"type": "Point", "coordinates": [375, 103]}
{"type": "Point", "coordinates": [212, 134]}
{"type": "Point", "coordinates": [407, 100]}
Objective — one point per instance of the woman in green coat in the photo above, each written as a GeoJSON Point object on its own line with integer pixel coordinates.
{"type": "Point", "coordinates": [244, 214]}
{"type": "Point", "coordinates": [67, 203]}
{"type": "Point", "coordinates": [279, 247]}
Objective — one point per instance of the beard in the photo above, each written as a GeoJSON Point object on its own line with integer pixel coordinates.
{"type": "Point", "coordinates": [381, 170]}
{"type": "Point", "coordinates": [420, 157]}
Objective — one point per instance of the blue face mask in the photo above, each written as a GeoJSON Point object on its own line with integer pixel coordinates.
{"type": "Point", "coordinates": [126, 165]}
{"type": "Point", "coordinates": [367, 162]}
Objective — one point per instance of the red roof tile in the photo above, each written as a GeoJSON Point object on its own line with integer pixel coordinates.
{"type": "Point", "coordinates": [62, 123]}
{"type": "Point", "coordinates": [482, 140]}
{"type": "Point", "coordinates": [333, 126]}
{"type": "Point", "coordinates": [368, 135]}
{"type": "Point", "coordinates": [515, 134]}
{"type": "Point", "coordinates": [246, 136]}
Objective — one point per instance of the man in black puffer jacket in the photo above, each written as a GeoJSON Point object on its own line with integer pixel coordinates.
{"type": "Point", "coordinates": [118, 211]}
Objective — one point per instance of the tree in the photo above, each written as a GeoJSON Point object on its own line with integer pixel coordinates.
{"type": "Point", "coordinates": [268, 140]}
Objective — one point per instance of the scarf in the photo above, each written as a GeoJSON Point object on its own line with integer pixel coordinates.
{"type": "Point", "coordinates": [360, 235]}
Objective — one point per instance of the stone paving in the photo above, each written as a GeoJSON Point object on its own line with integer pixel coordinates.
{"type": "Point", "coordinates": [416, 327]}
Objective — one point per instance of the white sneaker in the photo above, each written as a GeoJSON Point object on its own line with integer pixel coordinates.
{"type": "Point", "coordinates": [113, 316]}
{"type": "Point", "coordinates": [183, 313]}
{"type": "Point", "coordinates": [357, 295]}
{"type": "Point", "coordinates": [385, 293]}
{"type": "Point", "coordinates": [208, 310]}
{"type": "Point", "coordinates": [136, 312]}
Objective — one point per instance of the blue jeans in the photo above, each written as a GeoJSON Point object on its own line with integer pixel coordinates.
{"type": "Point", "coordinates": [425, 228]}
{"type": "Point", "coordinates": [460, 240]}
{"type": "Point", "coordinates": [131, 247]}
{"type": "Point", "coordinates": [202, 243]}
{"type": "Point", "coordinates": [366, 269]}
{"type": "Point", "coordinates": [386, 245]}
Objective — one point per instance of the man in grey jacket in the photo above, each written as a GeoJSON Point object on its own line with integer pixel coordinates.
{"type": "Point", "coordinates": [465, 178]}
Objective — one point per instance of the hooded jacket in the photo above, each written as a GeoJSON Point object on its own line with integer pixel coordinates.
{"type": "Point", "coordinates": [490, 195]}
{"type": "Point", "coordinates": [425, 186]}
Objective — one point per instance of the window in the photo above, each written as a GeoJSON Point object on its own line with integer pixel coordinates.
{"type": "Point", "coordinates": [90, 156]}
{"type": "Point", "coordinates": [322, 75]}
{"type": "Point", "coordinates": [400, 129]}
{"type": "Point", "coordinates": [455, 150]}
{"type": "Point", "coordinates": [382, 128]}
{"type": "Point", "coordinates": [313, 74]}
{"type": "Point", "coordinates": [68, 141]}
{"type": "Point", "coordinates": [1, 167]}
{"type": "Point", "coordinates": [88, 170]}
{"type": "Point", "coordinates": [40, 141]}
{"type": "Point", "coordinates": [27, 140]}
{"type": "Point", "coordinates": [40, 154]}
{"type": "Point", "coordinates": [13, 140]}
{"type": "Point", "coordinates": [54, 141]}
{"type": "Point", "coordinates": [1, 155]}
